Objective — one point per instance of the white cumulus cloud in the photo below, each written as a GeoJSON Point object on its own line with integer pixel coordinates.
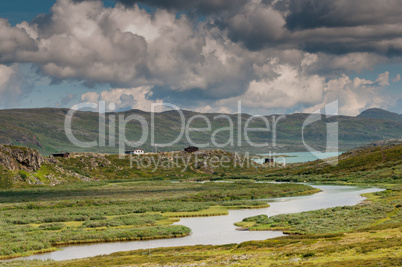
{"type": "Point", "coordinates": [246, 53]}
{"type": "Point", "coordinates": [124, 98]}
{"type": "Point", "coordinates": [13, 86]}
{"type": "Point", "coordinates": [354, 95]}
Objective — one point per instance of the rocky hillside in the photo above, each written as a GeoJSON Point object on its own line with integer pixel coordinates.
{"type": "Point", "coordinates": [23, 166]}
{"type": "Point", "coordinates": [20, 167]}
{"type": "Point", "coordinates": [20, 158]}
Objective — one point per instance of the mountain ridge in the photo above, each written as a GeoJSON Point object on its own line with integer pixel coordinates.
{"type": "Point", "coordinates": [43, 129]}
{"type": "Point", "coordinates": [377, 113]}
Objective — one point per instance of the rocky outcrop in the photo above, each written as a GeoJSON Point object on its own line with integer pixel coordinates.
{"type": "Point", "coordinates": [92, 160]}
{"type": "Point", "coordinates": [20, 158]}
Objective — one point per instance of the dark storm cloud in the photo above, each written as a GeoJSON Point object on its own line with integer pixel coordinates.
{"type": "Point", "coordinates": [256, 26]}
{"type": "Point", "coordinates": [196, 6]}
{"type": "Point", "coordinates": [328, 26]}
{"type": "Point", "coordinates": [309, 14]}
{"type": "Point", "coordinates": [333, 27]}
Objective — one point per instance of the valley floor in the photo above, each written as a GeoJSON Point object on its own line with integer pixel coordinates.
{"type": "Point", "coordinates": [37, 219]}
{"type": "Point", "coordinates": [373, 241]}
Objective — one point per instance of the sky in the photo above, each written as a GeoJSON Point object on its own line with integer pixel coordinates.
{"type": "Point", "coordinates": [275, 56]}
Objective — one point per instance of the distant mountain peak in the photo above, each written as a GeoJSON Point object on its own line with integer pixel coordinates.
{"type": "Point", "coordinates": [377, 113]}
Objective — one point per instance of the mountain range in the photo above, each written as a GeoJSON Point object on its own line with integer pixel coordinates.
{"type": "Point", "coordinates": [43, 129]}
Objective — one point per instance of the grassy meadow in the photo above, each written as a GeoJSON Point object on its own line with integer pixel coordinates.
{"type": "Point", "coordinates": [381, 208]}
{"type": "Point", "coordinates": [368, 234]}
{"type": "Point", "coordinates": [38, 219]}
{"type": "Point", "coordinates": [373, 165]}
{"type": "Point", "coordinates": [371, 248]}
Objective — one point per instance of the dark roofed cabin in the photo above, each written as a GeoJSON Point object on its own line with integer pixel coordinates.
{"type": "Point", "coordinates": [191, 149]}
{"type": "Point", "coordinates": [61, 155]}
{"type": "Point", "coordinates": [269, 160]}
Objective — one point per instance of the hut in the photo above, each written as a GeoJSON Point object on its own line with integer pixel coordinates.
{"type": "Point", "coordinates": [268, 160]}
{"type": "Point", "coordinates": [135, 152]}
{"type": "Point", "coordinates": [139, 151]}
{"type": "Point", "coordinates": [61, 155]}
{"type": "Point", "coordinates": [191, 149]}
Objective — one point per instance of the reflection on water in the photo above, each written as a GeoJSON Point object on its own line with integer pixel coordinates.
{"type": "Point", "coordinates": [219, 230]}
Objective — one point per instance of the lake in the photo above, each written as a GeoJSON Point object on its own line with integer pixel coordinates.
{"type": "Point", "coordinates": [299, 157]}
{"type": "Point", "coordinates": [218, 230]}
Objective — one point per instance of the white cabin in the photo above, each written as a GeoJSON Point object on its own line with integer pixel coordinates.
{"type": "Point", "coordinates": [138, 151]}
{"type": "Point", "coordinates": [135, 152]}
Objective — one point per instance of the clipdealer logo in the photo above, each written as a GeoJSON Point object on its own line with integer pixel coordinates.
{"type": "Point", "coordinates": [109, 122]}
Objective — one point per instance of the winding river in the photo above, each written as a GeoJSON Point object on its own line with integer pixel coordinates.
{"type": "Point", "coordinates": [219, 230]}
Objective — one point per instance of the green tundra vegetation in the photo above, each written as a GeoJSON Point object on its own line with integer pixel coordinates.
{"type": "Point", "coordinates": [381, 209]}
{"type": "Point", "coordinates": [375, 164]}
{"type": "Point", "coordinates": [178, 165]}
{"type": "Point", "coordinates": [318, 238]}
{"type": "Point", "coordinates": [380, 247]}
{"type": "Point", "coordinates": [368, 234]}
{"type": "Point", "coordinates": [37, 219]}
{"type": "Point", "coordinates": [372, 165]}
